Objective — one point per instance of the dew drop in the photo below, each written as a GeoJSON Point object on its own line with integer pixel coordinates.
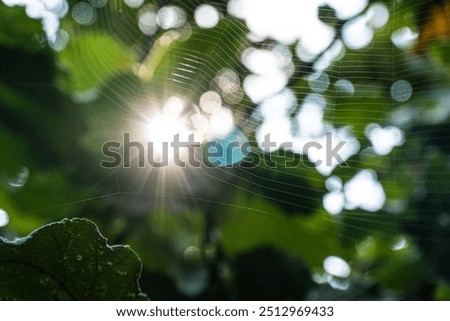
{"type": "Point", "coordinates": [84, 13]}
{"type": "Point", "coordinates": [20, 179]}
{"type": "Point", "coordinates": [98, 3]}
{"type": "Point", "coordinates": [401, 90]}
{"type": "Point", "coordinates": [336, 266]}
{"type": "Point", "coordinates": [206, 16]}
{"type": "Point", "coordinates": [338, 283]}
{"type": "Point", "coordinates": [4, 218]}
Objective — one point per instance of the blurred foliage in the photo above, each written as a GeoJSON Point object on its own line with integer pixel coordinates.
{"type": "Point", "coordinates": [80, 76]}
{"type": "Point", "coordinates": [248, 233]}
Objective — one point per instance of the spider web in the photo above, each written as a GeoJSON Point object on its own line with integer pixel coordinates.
{"type": "Point", "coordinates": [191, 70]}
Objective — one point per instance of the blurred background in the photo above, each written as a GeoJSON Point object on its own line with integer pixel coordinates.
{"type": "Point", "coordinates": [373, 74]}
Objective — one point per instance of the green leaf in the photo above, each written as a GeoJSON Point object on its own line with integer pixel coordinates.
{"type": "Point", "coordinates": [90, 60]}
{"type": "Point", "coordinates": [256, 222]}
{"type": "Point", "coordinates": [18, 30]}
{"type": "Point", "coordinates": [68, 260]}
{"type": "Point", "coordinates": [440, 53]}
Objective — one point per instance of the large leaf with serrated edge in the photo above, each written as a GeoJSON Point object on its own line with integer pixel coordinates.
{"type": "Point", "coordinates": [68, 260]}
